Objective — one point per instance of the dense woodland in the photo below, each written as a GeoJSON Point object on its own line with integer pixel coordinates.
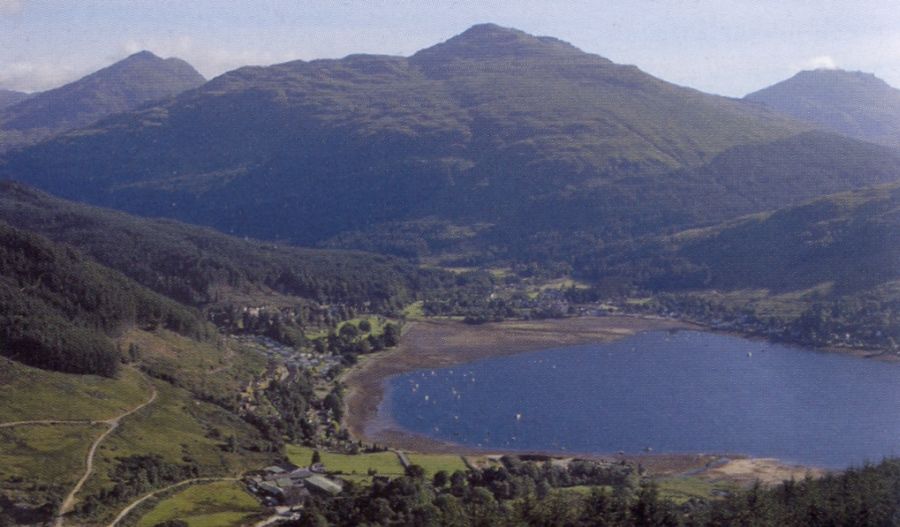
{"type": "Point", "coordinates": [867, 496]}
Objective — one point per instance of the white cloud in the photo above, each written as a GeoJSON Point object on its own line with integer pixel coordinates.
{"type": "Point", "coordinates": [34, 76]}
{"type": "Point", "coordinates": [11, 7]}
{"type": "Point", "coordinates": [822, 62]}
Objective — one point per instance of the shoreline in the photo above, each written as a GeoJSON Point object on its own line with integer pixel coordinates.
{"type": "Point", "coordinates": [441, 343]}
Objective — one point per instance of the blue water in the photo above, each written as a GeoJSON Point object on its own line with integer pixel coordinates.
{"type": "Point", "coordinates": [672, 392]}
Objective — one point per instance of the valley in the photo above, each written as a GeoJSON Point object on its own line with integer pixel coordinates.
{"type": "Point", "coordinates": [263, 298]}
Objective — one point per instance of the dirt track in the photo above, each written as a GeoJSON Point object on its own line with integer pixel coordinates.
{"type": "Point", "coordinates": [69, 502]}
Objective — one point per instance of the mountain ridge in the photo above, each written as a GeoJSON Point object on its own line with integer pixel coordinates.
{"type": "Point", "coordinates": [305, 151]}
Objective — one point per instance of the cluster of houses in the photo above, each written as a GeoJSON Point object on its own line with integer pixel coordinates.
{"type": "Point", "coordinates": [291, 486]}
{"type": "Point", "coordinates": [287, 355]}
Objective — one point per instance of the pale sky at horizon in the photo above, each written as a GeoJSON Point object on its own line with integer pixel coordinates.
{"type": "Point", "coordinates": [728, 47]}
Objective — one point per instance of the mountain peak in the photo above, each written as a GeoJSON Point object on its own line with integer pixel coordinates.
{"type": "Point", "coordinates": [141, 55]}
{"type": "Point", "coordinates": [852, 103]}
{"type": "Point", "coordinates": [490, 41]}
{"type": "Point", "coordinates": [130, 82]}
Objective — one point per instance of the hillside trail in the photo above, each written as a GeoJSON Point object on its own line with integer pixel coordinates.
{"type": "Point", "coordinates": [113, 423]}
{"type": "Point", "coordinates": [149, 495]}
{"type": "Point", "coordinates": [50, 422]}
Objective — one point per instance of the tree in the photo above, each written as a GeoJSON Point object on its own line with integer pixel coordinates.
{"type": "Point", "coordinates": [441, 478]}
{"type": "Point", "coordinates": [415, 472]}
{"type": "Point", "coordinates": [391, 335]}
{"type": "Point", "coordinates": [348, 332]}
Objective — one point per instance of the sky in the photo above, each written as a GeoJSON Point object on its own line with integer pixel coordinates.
{"type": "Point", "coordinates": [727, 47]}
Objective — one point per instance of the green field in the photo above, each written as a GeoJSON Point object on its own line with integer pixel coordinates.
{"type": "Point", "coordinates": [433, 463]}
{"type": "Point", "coordinates": [30, 394]}
{"type": "Point", "coordinates": [682, 489]}
{"type": "Point", "coordinates": [383, 463]}
{"type": "Point", "coordinates": [414, 311]}
{"type": "Point", "coordinates": [356, 467]}
{"type": "Point", "coordinates": [219, 504]}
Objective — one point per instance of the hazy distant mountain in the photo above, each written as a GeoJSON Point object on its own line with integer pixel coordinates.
{"type": "Point", "coordinates": [852, 103]}
{"type": "Point", "coordinates": [10, 97]}
{"type": "Point", "coordinates": [127, 84]}
{"type": "Point", "coordinates": [496, 135]}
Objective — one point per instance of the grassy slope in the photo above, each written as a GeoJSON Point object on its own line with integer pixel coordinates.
{"type": "Point", "coordinates": [177, 427]}
{"type": "Point", "coordinates": [220, 368]}
{"type": "Point", "coordinates": [40, 463]}
{"type": "Point", "coordinates": [30, 394]}
{"type": "Point", "coordinates": [851, 239]}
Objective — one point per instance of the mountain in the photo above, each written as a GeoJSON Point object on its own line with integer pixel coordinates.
{"type": "Point", "coordinates": [9, 97]}
{"type": "Point", "coordinates": [59, 309]}
{"type": "Point", "coordinates": [125, 85]}
{"type": "Point", "coordinates": [851, 103]}
{"type": "Point", "coordinates": [199, 267]}
{"type": "Point", "coordinates": [495, 138]}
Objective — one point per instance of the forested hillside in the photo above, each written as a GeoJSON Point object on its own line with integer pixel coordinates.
{"type": "Point", "coordinates": [199, 266]}
{"type": "Point", "coordinates": [825, 273]}
{"type": "Point", "coordinates": [849, 240]}
{"type": "Point", "coordinates": [59, 310]}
